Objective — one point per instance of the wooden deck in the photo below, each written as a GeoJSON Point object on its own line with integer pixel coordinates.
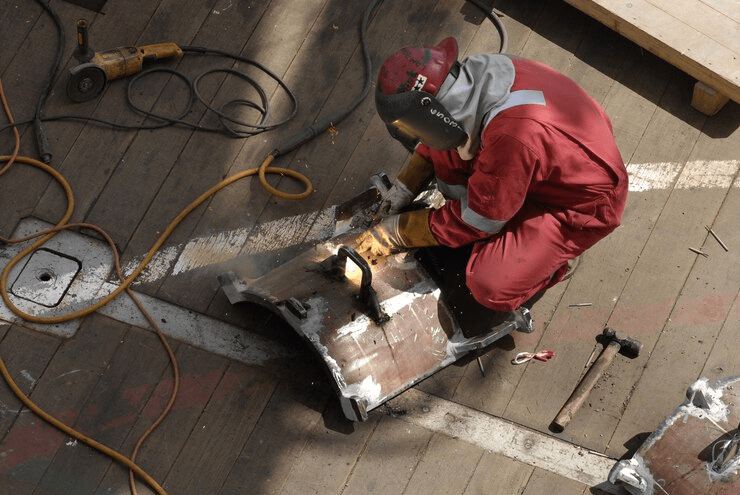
{"type": "Point", "coordinates": [700, 37]}
{"type": "Point", "coordinates": [271, 426]}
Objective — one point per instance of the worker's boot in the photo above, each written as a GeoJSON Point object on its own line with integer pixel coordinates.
{"type": "Point", "coordinates": [447, 268]}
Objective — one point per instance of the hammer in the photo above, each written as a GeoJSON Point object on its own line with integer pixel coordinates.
{"type": "Point", "coordinates": [612, 345]}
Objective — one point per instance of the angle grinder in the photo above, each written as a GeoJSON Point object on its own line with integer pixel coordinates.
{"type": "Point", "coordinates": [87, 80]}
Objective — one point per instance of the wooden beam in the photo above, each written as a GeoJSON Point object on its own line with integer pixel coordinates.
{"type": "Point", "coordinates": [707, 100]}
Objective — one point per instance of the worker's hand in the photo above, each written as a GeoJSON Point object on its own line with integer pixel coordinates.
{"type": "Point", "coordinates": [395, 199]}
{"type": "Point", "coordinates": [410, 182]}
{"type": "Point", "coordinates": [380, 240]}
{"type": "Point", "coordinates": [396, 233]}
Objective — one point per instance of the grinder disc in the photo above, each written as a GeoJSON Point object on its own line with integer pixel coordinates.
{"type": "Point", "coordinates": [86, 81]}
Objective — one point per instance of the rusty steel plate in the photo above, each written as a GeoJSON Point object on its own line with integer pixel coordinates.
{"type": "Point", "coordinates": [375, 337]}
{"type": "Point", "coordinates": [694, 451]}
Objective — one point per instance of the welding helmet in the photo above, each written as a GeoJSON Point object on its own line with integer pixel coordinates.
{"type": "Point", "coordinates": [406, 101]}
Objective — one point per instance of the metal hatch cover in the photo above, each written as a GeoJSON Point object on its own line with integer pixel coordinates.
{"type": "Point", "coordinates": [46, 277]}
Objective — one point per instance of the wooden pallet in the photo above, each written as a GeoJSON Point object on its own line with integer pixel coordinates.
{"type": "Point", "coordinates": [700, 37]}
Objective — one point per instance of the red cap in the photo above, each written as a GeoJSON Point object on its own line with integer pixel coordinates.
{"type": "Point", "coordinates": [421, 68]}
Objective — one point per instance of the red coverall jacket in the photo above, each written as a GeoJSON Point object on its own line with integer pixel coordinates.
{"type": "Point", "coordinates": [546, 184]}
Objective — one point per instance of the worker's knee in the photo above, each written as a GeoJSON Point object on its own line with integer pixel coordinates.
{"type": "Point", "coordinates": [494, 293]}
{"type": "Point", "coordinates": [502, 293]}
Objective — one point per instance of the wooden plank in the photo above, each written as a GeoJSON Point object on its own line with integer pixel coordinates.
{"type": "Point", "coordinates": [545, 482]}
{"type": "Point", "coordinates": [595, 68]}
{"type": "Point", "coordinates": [277, 441]}
{"type": "Point", "coordinates": [26, 353]}
{"type": "Point", "coordinates": [727, 7]}
{"type": "Point", "coordinates": [138, 365]}
{"type": "Point", "coordinates": [632, 102]}
{"type": "Point", "coordinates": [388, 462]}
{"type": "Point", "coordinates": [326, 461]}
{"type": "Point", "coordinates": [201, 373]}
{"type": "Point", "coordinates": [499, 475]}
{"type": "Point", "coordinates": [62, 391]}
{"type": "Point", "coordinates": [704, 201]}
{"type": "Point", "coordinates": [555, 38]}
{"type": "Point", "coordinates": [722, 362]}
{"type": "Point", "coordinates": [660, 33]}
{"type": "Point", "coordinates": [222, 429]}
{"type": "Point", "coordinates": [20, 79]}
{"type": "Point", "coordinates": [447, 459]}
{"type": "Point", "coordinates": [714, 25]}
{"type": "Point", "coordinates": [503, 437]}
{"type": "Point", "coordinates": [17, 23]}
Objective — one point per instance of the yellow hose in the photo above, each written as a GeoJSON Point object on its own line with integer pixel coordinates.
{"type": "Point", "coordinates": [124, 286]}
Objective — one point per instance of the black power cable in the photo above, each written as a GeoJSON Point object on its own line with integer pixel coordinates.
{"type": "Point", "coordinates": [493, 17]}
{"type": "Point", "coordinates": [230, 126]}
{"type": "Point", "coordinates": [41, 140]}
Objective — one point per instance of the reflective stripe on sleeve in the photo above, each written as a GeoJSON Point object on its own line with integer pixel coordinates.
{"type": "Point", "coordinates": [452, 191]}
{"type": "Point", "coordinates": [477, 220]}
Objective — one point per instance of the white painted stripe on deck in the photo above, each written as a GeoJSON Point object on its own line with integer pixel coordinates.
{"type": "Point", "coordinates": [711, 174]}
{"type": "Point", "coordinates": [648, 176]}
{"type": "Point", "coordinates": [505, 438]}
{"type": "Point", "coordinates": [225, 246]}
{"type": "Point", "coordinates": [698, 174]}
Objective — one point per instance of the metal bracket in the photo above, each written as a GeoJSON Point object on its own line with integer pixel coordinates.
{"type": "Point", "coordinates": [368, 295]}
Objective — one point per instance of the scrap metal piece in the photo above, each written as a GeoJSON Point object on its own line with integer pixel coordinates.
{"type": "Point", "coordinates": [376, 335]}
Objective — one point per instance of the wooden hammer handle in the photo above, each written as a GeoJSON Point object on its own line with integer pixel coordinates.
{"type": "Point", "coordinates": [581, 392]}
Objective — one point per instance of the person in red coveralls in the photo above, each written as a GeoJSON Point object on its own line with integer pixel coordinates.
{"type": "Point", "coordinates": [525, 159]}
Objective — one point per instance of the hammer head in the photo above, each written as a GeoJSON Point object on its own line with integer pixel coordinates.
{"type": "Point", "coordinates": [627, 346]}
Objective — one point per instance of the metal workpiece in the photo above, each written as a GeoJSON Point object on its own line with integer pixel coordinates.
{"type": "Point", "coordinates": [378, 324]}
{"type": "Point", "coordinates": [694, 450]}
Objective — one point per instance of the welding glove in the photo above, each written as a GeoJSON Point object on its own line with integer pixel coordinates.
{"type": "Point", "coordinates": [396, 233]}
{"type": "Point", "coordinates": [407, 186]}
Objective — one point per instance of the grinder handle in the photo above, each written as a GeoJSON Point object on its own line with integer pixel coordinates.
{"type": "Point", "coordinates": [159, 51]}
{"type": "Point", "coordinates": [584, 387]}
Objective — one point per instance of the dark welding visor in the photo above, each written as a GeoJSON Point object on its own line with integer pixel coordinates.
{"type": "Point", "coordinates": [414, 116]}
